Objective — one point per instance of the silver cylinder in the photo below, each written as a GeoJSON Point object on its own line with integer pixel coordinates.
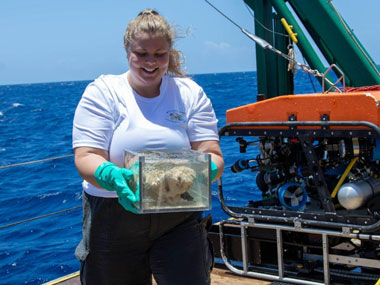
{"type": "Point", "coordinates": [356, 194]}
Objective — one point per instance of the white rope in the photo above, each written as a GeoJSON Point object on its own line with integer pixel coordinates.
{"type": "Point", "coordinates": [35, 161]}
{"type": "Point", "coordinates": [39, 217]}
{"type": "Point", "coordinates": [46, 215]}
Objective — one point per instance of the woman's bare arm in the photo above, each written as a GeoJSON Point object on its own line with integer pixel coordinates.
{"type": "Point", "coordinates": [87, 160]}
{"type": "Point", "coordinates": [213, 148]}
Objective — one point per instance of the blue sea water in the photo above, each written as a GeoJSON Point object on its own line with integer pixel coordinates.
{"type": "Point", "coordinates": [35, 123]}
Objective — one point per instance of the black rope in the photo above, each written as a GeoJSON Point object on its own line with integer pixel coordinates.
{"type": "Point", "coordinates": [39, 217]}
{"type": "Point", "coordinates": [224, 15]}
{"type": "Point", "coordinates": [262, 25]}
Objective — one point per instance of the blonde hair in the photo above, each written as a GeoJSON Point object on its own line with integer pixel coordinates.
{"type": "Point", "coordinates": [149, 21]}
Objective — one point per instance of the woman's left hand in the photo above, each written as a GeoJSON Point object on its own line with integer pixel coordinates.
{"type": "Point", "coordinates": [213, 148]}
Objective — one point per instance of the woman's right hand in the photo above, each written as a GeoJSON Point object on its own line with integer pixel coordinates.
{"type": "Point", "coordinates": [113, 178]}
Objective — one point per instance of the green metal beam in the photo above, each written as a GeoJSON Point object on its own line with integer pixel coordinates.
{"type": "Point", "coordinates": [336, 41]}
{"type": "Point", "coordinates": [303, 43]}
{"type": "Point", "coordinates": [265, 60]}
{"type": "Point", "coordinates": [273, 78]}
{"type": "Point", "coordinates": [284, 76]}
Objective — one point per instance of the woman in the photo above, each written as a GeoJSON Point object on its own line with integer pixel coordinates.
{"type": "Point", "coordinates": [132, 111]}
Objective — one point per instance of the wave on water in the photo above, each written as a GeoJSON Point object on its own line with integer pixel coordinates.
{"type": "Point", "coordinates": [17, 105]}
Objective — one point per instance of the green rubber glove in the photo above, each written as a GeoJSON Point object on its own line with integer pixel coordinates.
{"type": "Point", "coordinates": [214, 170]}
{"type": "Point", "coordinates": [113, 178]}
{"type": "Point", "coordinates": [126, 202]}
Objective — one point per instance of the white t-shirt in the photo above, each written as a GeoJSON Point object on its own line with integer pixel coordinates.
{"type": "Point", "coordinates": [113, 117]}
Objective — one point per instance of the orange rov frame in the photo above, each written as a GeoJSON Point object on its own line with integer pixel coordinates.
{"type": "Point", "coordinates": [313, 142]}
{"type": "Point", "coordinates": [355, 106]}
{"type": "Point", "coordinates": [352, 116]}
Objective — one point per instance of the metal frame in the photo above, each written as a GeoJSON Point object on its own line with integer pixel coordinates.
{"type": "Point", "coordinates": [335, 85]}
{"type": "Point", "coordinates": [294, 128]}
{"type": "Point", "coordinates": [291, 128]}
{"type": "Point", "coordinates": [327, 257]}
{"type": "Point", "coordinates": [295, 221]}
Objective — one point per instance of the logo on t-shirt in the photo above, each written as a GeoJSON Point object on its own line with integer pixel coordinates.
{"type": "Point", "coordinates": [176, 116]}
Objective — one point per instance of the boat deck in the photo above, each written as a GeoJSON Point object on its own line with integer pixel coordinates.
{"type": "Point", "coordinates": [218, 277]}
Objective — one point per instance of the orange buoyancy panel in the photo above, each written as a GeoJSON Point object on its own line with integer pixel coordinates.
{"type": "Point", "coordinates": [353, 106]}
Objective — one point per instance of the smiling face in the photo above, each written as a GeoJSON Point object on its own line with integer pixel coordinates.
{"type": "Point", "coordinates": [148, 59]}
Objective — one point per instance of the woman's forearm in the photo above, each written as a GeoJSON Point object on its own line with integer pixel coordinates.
{"type": "Point", "coordinates": [87, 160]}
{"type": "Point", "coordinates": [213, 148]}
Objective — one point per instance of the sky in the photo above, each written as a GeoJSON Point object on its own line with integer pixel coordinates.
{"type": "Point", "coordinates": [53, 41]}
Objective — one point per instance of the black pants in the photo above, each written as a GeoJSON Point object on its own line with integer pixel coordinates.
{"type": "Point", "coordinates": [119, 247]}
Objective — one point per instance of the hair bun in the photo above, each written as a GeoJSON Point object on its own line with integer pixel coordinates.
{"type": "Point", "coordinates": [150, 12]}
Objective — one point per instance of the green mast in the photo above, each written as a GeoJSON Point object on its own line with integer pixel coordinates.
{"type": "Point", "coordinates": [273, 77]}
{"type": "Point", "coordinates": [337, 41]}
{"type": "Point", "coordinates": [330, 33]}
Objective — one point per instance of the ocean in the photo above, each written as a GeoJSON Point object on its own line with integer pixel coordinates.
{"type": "Point", "coordinates": [35, 124]}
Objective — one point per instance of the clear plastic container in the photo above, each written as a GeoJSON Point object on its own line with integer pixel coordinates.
{"type": "Point", "coordinates": [170, 182]}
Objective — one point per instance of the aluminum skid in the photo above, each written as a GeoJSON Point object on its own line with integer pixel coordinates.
{"type": "Point", "coordinates": [299, 232]}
